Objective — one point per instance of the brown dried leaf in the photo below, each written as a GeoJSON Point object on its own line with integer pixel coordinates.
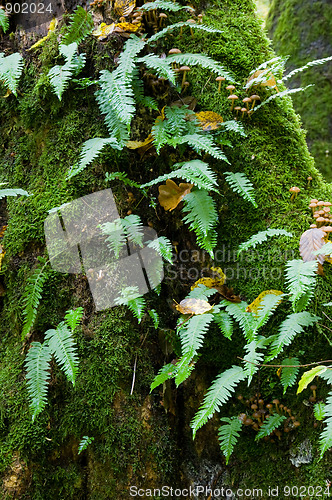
{"type": "Point", "coordinates": [209, 120]}
{"type": "Point", "coordinates": [170, 194]}
{"type": "Point", "coordinates": [228, 294]}
{"type": "Point", "coordinates": [312, 240]}
{"type": "Point", "coordinates": [124, 7]}
{"type": "Point", "coordinates": [271, 82]}
{"type": "Point", "coordinates": [189, 101]}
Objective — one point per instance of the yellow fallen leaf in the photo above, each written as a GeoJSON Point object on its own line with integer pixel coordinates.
{"type": "Point", "coordinates": [209, 120]}
{"type": "Point", "coordinates": [193, 306]}
{"type": "Point", "coordinates": [125, 27]}
{"type": "Point", "coordinates": [270, 82]}
{"type": "Point", "coordinates": [255, 305]}
{"type": "Point", "coordinates": [170, 194]}
{"type": "Point", "coordinates": [103, 31]}
{"type": "Point", "coordinates": [51, 28]}
{"type": "Point", "coordinates": [124, 7]}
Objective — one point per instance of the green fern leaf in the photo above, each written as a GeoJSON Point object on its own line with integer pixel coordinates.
{"type": "Point", "coordinates": [131, 297]}
{"type": "Point", "coordinates": [289, 328]}
{"type": "Point", "coordinates": [202, 292]}
{"type": "Point", "coordinates": [267, 307]}
{"type": "Point", "coordinates": [155, 317]}
{"type": "Point", "coordinates": [252, 359]}
{"type": "Point", "coordinates": [301, 280]}
{"type": "Point", "coordinates": [74, 317]}
{"type": "Point", "coordinates": [319, 411]}
{"type": "Point", "coordinates": [164, 5]}
{"type": "Point", "coordinates": [84, 443]}
{"type": "Point", "coordinates": [61, 343]}
{"type": "Point", "coordinates": [289, 374]}
{"type": "Point", "coordinates": [281, 95]}
{"type": "Point", "coordinates": [219, 392]}
{"type": "Point", "coordinates": [138, 89]}
{"type": "Point", "coordinates": [126, 71]}
{"type": "Point", "coordinates": [172, 27]}
{"type": "Point", "coordinates": [200, 59]}
{"type": "Point", "coordinates": [60, 75]}
{"type": "Point", "coordinates": [308, 65]}
{"type": "Point", "coordinates": [81, 25]}
{"type": "Point", "coordinates": [110, 176]}
{"type": "Point", "coordinates": [228, 435]}
{"type": "Point", "coordinates": [133, 229]}
{"type": "Point", "coordinates": [261, 237]}
{"type": "Point", "coordinates": [233, 126]}
{"type": "Point", "coordinates": [202, 217]}
{"type": "Point", "coordinates": [32, 295]}
{"type": "Point", "coordinates": [11, 68]}
{"type": "Point", "coordinates": [245, 319]}
{"type": "Point", "coordinates": [12, 192]}
{"type": "Point", "coordinates": [200, 142]}
{"type": "Point", "coordinates": [160, 66]}
{"type": "Point", "coordinates": [37, 364]}
{"type": "Point", "coordinates": [269, 425]}
{"type": "Point", "coordinates": [241, 185]}
{"type": "Point", "coordinates": [165, 373]}
{"type": "Point", "coordinates": [116, 239]}
{"type": "Point", "coordinates": [193, 332]}
{"type": "Point", "coordinates": [4, 21]}
{"type": "Point", "coordinates": [90, 151]}
{"type": "Point", "coordinates": [225, 323]}
{"type": "Point", "coordinates": [163, 246]}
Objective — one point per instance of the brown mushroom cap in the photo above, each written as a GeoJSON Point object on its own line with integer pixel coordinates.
{"type": "Point", "coordinates": [244, 110]}
{"type": "Point", "coordinates": [275, 401]}
{"type": "Point", "coordinates": [220, 79]}
{"type": "Point", "coordinates": [320, 219]}
{"type": "Point", "coordinates": [326, 209]}
{"type": "Point", "coordinates": [163, 15]}
{"type": "Point", "coordinates": [230, 87]}
{"type": "Point", "coordinates": [237, 108]}
{"type": "Point", "coordinates": [294, 189]}
{"type": "Point", "coordinates": [313, 387]}
{"type": "Point", "coordinates": [246, 99]}
{"type": "Point", "coordinates": [232, 97]}
{"type": "Point", "coordinates": [320, 203]}
{"type": "Point", "coordinates": [327, 204]}
{"type": "Point", "coordinates": [312, 205]}
{"type": "Point", "coordinates": [184, 68]}
{"type": "Point", "coordinates": [313, 226]}
{"type": "Point", "coordinates": [314, 201]}
{"type": "Point", "coordinates": [174, 51]}
{"type": "Point", "coordinates": [255, 97]}
{"type": "Point", "coordinates": [328, 229]}
{"type": "Point", "coordinates": [316, 214]}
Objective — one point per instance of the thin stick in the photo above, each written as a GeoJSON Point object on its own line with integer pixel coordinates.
{"type": "Point", "coordinates": [134, 376]}
{"type": "Point", "coordinates": [288, 366]}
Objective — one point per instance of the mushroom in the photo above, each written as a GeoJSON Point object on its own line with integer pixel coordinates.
{"type": "Point", "coordinates": [276, 402]}
{"type": "Point", "coordinates": [313, 206]}
{"type": "Point", "coordinates": [184, 69]}
{"type": "Point", "coordinates": [232, 98]}
{"type": "Point", "coordinates": [269, 406]}
{"type": "Point", "coordinates": [314, 201]}
{"type": "Point", "coordinates": [185, 86]}
{"type": "Point", "coordinates": [220, 79]}
{"type": "Point", "coordinates": [230, 88]}
{"type": "Point", "coordinates": [260, 403]}
{"type": "Point", "coordinates": [244, 110]}
{"type": "Point", "coordinates": [313, 389]}
{"type": "Point", "coordinates": [320, 203]}
{"type": "Point", "coordinates": [254, 98]}
{"type": "Point", "coordinates": [313, 226]}
{"type": "Point", "coordinates": [257, 416]}
{"type": "Point", "coordinates": [246, 101]}
{"type": "Point", "coordinates": [296, 423]}
{"type": "Point", "coordinates": [191, 21]}
{"type": "Point", "coordinates": [254, 407]}
{"type": "Point", "coordinates": [327, 204]}
{"type": "Point", "coordinates": [162, 17]}
{"type": "Point", "coordinates": [237, 109]}
{"type": "Point", "coordinates": [294, 190]}
{"type": "Point", "coordinates": [328, 230]}
{"type": "Point", "coordinates": [309, 179]}
{"type": "Point", "coordinates": [172, 52]}
{"type": "Point", "coordinates": [200, 18]}
{"type": "Point", "coordinates": [320, 221]}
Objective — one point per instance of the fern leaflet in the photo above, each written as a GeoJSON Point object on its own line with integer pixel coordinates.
{"type": "Point", "coordinates": [161, 67]}
{"type": "Point", "coordinates": [199, 143]}
{"type": "Point", "coordinates": [219, 392]}
{"type": "Point", "coordinates": [163, 246]}
{"type": "Point", "coordinates": [155, 317]}
{"type": "Point", "coordinates": [261, 237]}
{"type": "Point", "coordinates": [319, 411]}
{"type": "Point", "coordinates": [225, 323]}
{"type": "Point", "coordinates": [37, 365]}
{"type": "Point", "coordinates": [192, 335]}
{"type": "Point", "coordinates": [12, 192]}
{"type": "Point", "coordinates": [60, 75]}
{"type": "Point", "coordinates": [282, 94]}
{"type": "Point", "coordinates": [165, 373]}
{"type": "Point", "coordinates": [245, 319]}
{"type": "Point", "coordinates": [164, 5]}
{"type": "Point", "coordinates": [269, 425]}
{"type": "Point", "coordinates": [81, 25]}
{"type": "Point", "coordinates": [62, 345]}
{"type": "Point", "coordinates": [11, 68]}
{"type": "Point", "coordinates": [289, 374]}
{"type": "Point", "coordinates": [200, 59]}
{"type": "Point", "coordinates": [241, 185]}
{"type": "Point", "coordinates": [166, 30]}
{"type": "Point", "coordinates": [131, 297]}
{"type": "Point", "coordinates": [228, 435]}
{"type": "Point", "coordinates": [252, 358]}
{"type": "Point", "coordinates": [4, 21]}
{"type": "Point", "coordinates": [84, 443]}
{"type": "Point", "coordinates": [90, 151]}
{"type": "Point", "coordinates": [110, 176]}
{"type": "Point", "coordinates": [301, 279]}
{"type": "Point", "coordinates": [308, 65]}
{"type": "Point", "coordinates": [74, 317]}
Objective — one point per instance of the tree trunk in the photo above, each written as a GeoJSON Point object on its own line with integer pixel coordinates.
{"type": "Point", "coordinates": [144, 440]}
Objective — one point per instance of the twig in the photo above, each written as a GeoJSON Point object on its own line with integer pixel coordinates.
{"type": "Point", "coordinates": [134, 376]}
{"type": "Point", "coordinates": [288, 366]}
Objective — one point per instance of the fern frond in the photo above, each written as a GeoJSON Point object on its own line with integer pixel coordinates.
{"type": "Point", "coordinates": [62, 345]}
{"type": "Point", "coordinates": [225, 323]}
{"type": "Point", "coordinates": [274, 66]}
{"type": "Point", "coordinates": [90, 151]}
{"type": "Point", "coordinates": [269, 425]}
{"type": "Point", "coordinates": [160, 66]}
{"type": "Point", "coordinates": [281, 94]}
{"type": "Point", "coordinates": [110, 176]}
{"type": "Point", "coordinates": [74, 317]}
{"type": "Point", "coordinates": [233, 126]}
{"type": "Point", "coordinates": [202, 217]}
{"type": "Point", "coordinates": [116, 237]}
{"type": "Point", "coordinates": [301, 279]}
{"type": "Point", "coordinates": [219, 392]}
{"type": "Point", "coordinates": [155, 317]}
{"type": "Point", "coordinates": [172, 27]}
{"type": "Point", "coordinates": [200, 59]}
{"type": "Point", "coordinates": [138, 89]}
{"type": "Point", "coordinates": [202, 292]}
{"type": "Point", "coordinates": [11, 68]}
{"type": "Point", "coordinates": [240, 184]}
{"type": "Point", "coordinates": [228, 435]}
{"type": "Point", "coordinates": [81, 25]}
{"type": "Point", "coordinates": [196, 172]}
{"type": "Point", "coordinates": [252, 356]}
{"type": "Point", "coordinates": [32, 295]}
{"type": "Point", "coordinates": [261, 237]}
{"type": "Point", "coordinates": [4, 21]}
{"type": "Point", "coordinates": [12, 192]}
{"type": "Point", "coordinates": [308, 65]}
{"type": "Point", "coordinates": [200, 142]}
{"type": "Point", "coordinates": [245, 319]}
{"type": "Point", "coordinates": [266, 308]}
{"type": "Point", "coordinates": [193, 332]}
{"type": "Point", "coordinates": [37, 364]}
{"type": "Point", "coordinates": [163, 246]}
{"type": "Point", "coordinates": [289, 328]}
{"type": "Point", "coordinates": [60, 75]}
{"type": "Point", "coordinates": [289, 374]}
{"type": "Point", "coordinates": [319, 411]}
{"type": "Point", "coordinates": [164, 5]}
{"type": "Point", "coordinates": [165, 373]}
{"type": "Point", "coordinates": [131, 298]}
{"type": "Point", "coordinates": [125, 72]}
{"type": "Point", "coordinates": [84, 443]}
{"type": "Point", "coordinates": [133, 228]}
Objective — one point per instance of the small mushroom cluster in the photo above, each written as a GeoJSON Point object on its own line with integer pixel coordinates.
{"type": "Point", "coordinates": [261, 412]}
{"type": "Point", "coordinates": [248, 105]}
{"type": "Point", "coordinates": [97, 3]}
{"type": "Point", "coordinates": [321, 211]}
{"type": "Point", "coordinates": [182, 70]}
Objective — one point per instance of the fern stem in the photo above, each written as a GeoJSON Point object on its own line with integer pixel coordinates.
{"type": "Point", "coordinates": [287, 366]}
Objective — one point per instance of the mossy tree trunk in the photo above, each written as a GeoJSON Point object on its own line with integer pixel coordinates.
{"type": "Point", "coordinates": [303, 30]}
{"type": "Point", "coordinates": [145, 439]}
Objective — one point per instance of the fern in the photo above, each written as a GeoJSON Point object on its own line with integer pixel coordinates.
{"type": "Point", "coordinates": [165, 373]}
{"type": "Point", "coordinates": [125, 71]}
{"type": "Point", "coordinates": [261, 237]}
{"type": "Point", "coordinates": [62, 346]}
{"type": "Point", "coordinates": [241, 185]}
{"type": "Point", "coordinates": [202, 218]}
{"type": "Point", "coordinates": [164, 5]}
{"type": "Point", "coordinates": [301, 278]}
{"type": "Point", "coordinates": [228, 435]}
{"type": "Point", "coordinates": [81, 25]}
{"type": "Point", "coordinates": [245, 319]}
{"type": "Point", "coordinates": [274, 66]}
{"type": "Point", "coordinates": [200, 142]}
{"type": "Point", "coordinates": [200, 59]}
{"type": "Point", "coordinates": [155, 317]}
{"type": "Point", "coordinates": [37, 364]}
{"type": "Point", "coordinates": [74, 317]}
{"type": "Point", "coordinates": [32, 295]}
{"type": "Point", "coordinates": [163, 246]}
{"type": "Point", "coordinates": [117, 231]}
{"type": "Point", "coordinates": [219, 392]}
{"type": "Point", "coordinates": [160, 66]}
{"type": "Point", "coordinates": [308, 65]}
{"type": "Point", "coordinates": [196, 172]}
{"type": "Point", "coordinates": [319, 411]}
{"type": "Point", "coordinates": [233, 126]}
{"type": "Point", "coordinates": [12, 192]}
{"type": "Point", "coordinates": [131, 297]}
{"type": "Point", "coordinates": [253, 357]}
{"type": "Point", "coordinates": [202, 292]}
{"type": "Point", "coordinates": [269, 425]}
{"type": "Point", "coordinates": [289, 374]}
{"type": "Point", "coordinates": [4, 21]}
{"type": "Point", "coordinates": [162, 33]}
{"type": "Point", "coordinates": [281, 94]}
{"type": "Point", "coordinates": [90, 151]}
{"type": "Point", "coordinates": [84, 443]}
{"type": "Point", "coordinates": [110, 176]}
{"type": "Point", "coordinates": [60, 75]}
{"type": "Point", "coordinates": [11, 68]}
{"type": "Point", "coordinates": [138, 89]}
{"type": "Point", "coordinates": [289, 328]}
{"type": "Point", "coordinates": [225, 323]}
{"type": "Point", "coordinates": [266, 308]}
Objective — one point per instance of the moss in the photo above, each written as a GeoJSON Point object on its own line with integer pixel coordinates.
{"type": "Point", "coordinates": [303, 31]}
